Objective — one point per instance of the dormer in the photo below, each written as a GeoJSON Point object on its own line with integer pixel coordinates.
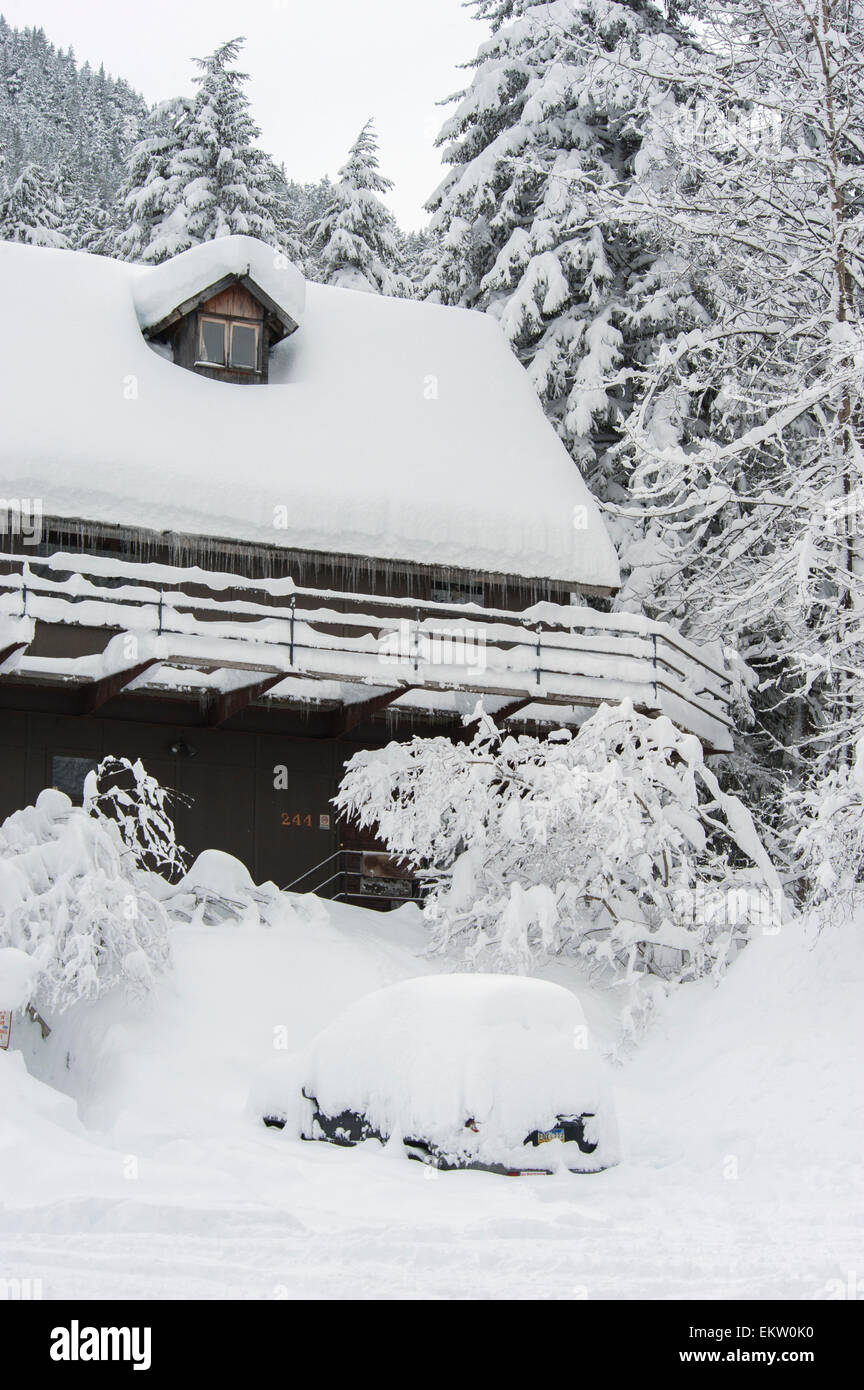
{"type": "Point", "coordinates": [222, 325]}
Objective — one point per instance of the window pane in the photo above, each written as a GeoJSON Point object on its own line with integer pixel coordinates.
{"type": "Point", "coordinates": [68, 773]}
{"type": "Point", "coordinates": [244, 346]}
{"type": "Point", "coordinates": [212, 341]}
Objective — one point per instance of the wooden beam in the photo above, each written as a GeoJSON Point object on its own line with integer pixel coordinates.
{"type": "Point", "coordinates": [194, 301]}
{"type": "Point", "coordinates": [221, 707]}
{"type": "Point", "coordinates": [6, 653]}
{"type": "Point", "coordinates": [335, 723]}
{"type": "Point", "coordinates": [154, 330]}
{"type": "Point", "coordinates": [507, 711]}
{"type": "Point", "coordinates": [349, 716]}
{"type": "Point", "coordinates": [288, 323]}
{"type": "Point", "coordinates": [98, 693]}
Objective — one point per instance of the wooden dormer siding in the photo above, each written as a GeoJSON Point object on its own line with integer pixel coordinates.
{"type": "Point", "coordinates": [232, 305]}
{"type": "Point", "coordinates": [233, 301]}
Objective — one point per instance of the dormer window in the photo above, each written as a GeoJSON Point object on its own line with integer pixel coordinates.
{"type": "Point", "coordinates": [225, 331]}
{"type": "Point", "coordinates": [227, 343]}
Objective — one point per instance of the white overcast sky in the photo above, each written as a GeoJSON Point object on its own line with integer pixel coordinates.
{"type": "Point", "coordinates": [318, 69]}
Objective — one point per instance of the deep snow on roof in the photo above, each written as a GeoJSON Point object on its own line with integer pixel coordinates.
{"type": "Point", "coordinates": [160, 289]}
{"type": "Point", "coordinates": [389, 428]}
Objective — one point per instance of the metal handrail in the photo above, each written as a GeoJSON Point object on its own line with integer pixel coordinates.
{"type": "Point", "coordinates": [315, 868]}
{"type": "Point", "coordinates": [346, 873]}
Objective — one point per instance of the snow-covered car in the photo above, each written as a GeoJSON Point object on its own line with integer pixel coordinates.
{"type": "Point", "coordinates": [464, 1071]}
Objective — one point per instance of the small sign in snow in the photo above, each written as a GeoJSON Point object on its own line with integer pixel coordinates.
{"type": "Point", "coordinates": [5, 1028]}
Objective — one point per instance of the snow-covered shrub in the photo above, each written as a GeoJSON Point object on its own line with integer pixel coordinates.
{"type": "Point", "coordinates": [17, 974]}
{"type": "Point", "coordinates": [121, 791]}
{"type": "Point", "coordinates": [615, 845]}
{"type": "Point", "coordinates": [829, 844]}
{"type": "Point", "coordinates": [219, 888]}
{"type": "Point", "coordinates": [73, 899]}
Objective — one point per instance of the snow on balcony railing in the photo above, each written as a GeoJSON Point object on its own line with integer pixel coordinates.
{"type": "Point", "coordinates": [554, 660]}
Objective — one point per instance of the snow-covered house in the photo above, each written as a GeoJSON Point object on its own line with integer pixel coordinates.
{"type": "Point", "coordinates": [242, 586]}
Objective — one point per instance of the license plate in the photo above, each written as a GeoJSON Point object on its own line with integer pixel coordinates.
{"type": "Point", "coordinates": [544, 1136]}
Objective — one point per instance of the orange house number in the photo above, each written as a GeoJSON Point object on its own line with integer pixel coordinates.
{"type": "Point", "coordinates": [297, 819]}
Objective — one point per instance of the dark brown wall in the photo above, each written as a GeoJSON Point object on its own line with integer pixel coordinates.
{"type": "Point", "coordinates": [235, 805]}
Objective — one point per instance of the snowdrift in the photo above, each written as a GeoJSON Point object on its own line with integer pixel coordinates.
{"type": "Point", "coordinates": [741, 1115]}
{"type": "Point", "coordinates": [763, 1069]}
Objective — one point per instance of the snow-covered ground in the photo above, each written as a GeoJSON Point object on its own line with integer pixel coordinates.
{"type": "Point", "coordinates": [741, 1118]}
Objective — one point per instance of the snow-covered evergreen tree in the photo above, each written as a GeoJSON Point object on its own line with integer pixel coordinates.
{"type": "Point", "coordinates": [560, 116]}
{"type": "Point", "coordinates": [355, 243]}
{"type": "Point", "coordinates": [222, 181]}
{"type": "Point", "coordinates": [307, 202]}
{"type": "Point", "coordinates": [76, 122]}
{"type": "Point", "coordinates": [745, 447]}
{"type": "Point", "coordinates": [33, 211]}
{"type": "Point", "coordinates": [282, 201]}
{"type": "Point", "coordinates": [87, 224]}
{"type": "Point", "coordinates": [420, 252]}
{"type": "Point", "coordinates": [827, 814]}
{"type": "Point", "coordinates": [152, 188]}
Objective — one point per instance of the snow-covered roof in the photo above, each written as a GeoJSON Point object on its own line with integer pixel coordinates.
{"type": "Point", "coordinates": [389, 428]}
{"type": "Point", "coordinates": [164, 288]}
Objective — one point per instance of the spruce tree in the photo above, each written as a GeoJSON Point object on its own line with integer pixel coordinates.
{"type": "Point", "coordinates": [73, 121]}
{"type": "Point", "coordinates": [226, 181]}
{"type": "Point", "coordinates": [32, 211]}
{"type": "Point", "coordinates": [151, 192]}
{"type": "Point", "coordinates": [556, 121]}
{"type": "Point", "coordinates": [356, 243]}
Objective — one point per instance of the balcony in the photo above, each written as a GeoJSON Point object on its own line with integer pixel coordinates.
{"type": "Point", "coordinates": [97, 630]}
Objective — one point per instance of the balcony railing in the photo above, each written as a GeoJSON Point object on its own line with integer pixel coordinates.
{"type": "Point", "coordinates": [194, 633]}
